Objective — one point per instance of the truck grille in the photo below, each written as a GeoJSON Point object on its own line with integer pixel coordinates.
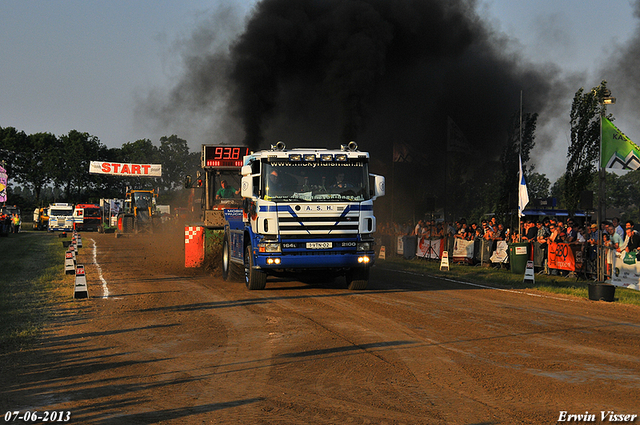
{"type": "Point", "coordinates": [313, 225]}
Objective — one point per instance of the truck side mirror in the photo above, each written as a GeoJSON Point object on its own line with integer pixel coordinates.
{"type": "Point", "coordinates": [246, 189]}
{"type": "Point", "coordinates": [378, 186]}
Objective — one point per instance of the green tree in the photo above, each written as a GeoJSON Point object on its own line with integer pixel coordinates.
{"type": "Point", "coordinates": [30, 159]}
{"type": "Point", "coordinates": [584, 149]}
{"type": "Point", "coordinates": [76, 150]}
{"type": "Point", "coordinates": [141, 151]}
{"type": "Point", "coordinates": [176, 161]}
{"type": "Point", "coordinates": [538, 185]}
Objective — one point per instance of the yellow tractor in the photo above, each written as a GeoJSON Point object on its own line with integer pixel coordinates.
{"type": "Point", "coordinates": [40, 219]}
{"type": "Point", "coordinates": [139, 214]}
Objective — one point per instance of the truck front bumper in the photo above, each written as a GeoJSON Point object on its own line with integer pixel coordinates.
{"type": "Point", "coordinates": [323, 261]}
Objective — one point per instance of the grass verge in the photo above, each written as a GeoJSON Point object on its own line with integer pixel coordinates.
{"type": "Point", "coordinates": [503, 278]}
{"type": "Point", "coordinates": [31, 276]}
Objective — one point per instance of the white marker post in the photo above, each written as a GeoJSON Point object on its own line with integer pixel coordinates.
{"type": "Point", "coordinates": [69, 264]}
{"type": "Point", "coordinates": [529, 276]}
{"type": "Point", "coordinates": [444, 264]}
{"type": "Point", "coordinates": [81, 290]}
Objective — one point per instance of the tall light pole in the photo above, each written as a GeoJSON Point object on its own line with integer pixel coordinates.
{"type": "Point", "coordinates": [605, 99]}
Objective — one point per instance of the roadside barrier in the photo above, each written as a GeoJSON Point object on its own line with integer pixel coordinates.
{"type": "Point", "coordinates": [69, 264]}
{"type": "Point", "coordinates": [81, 290]}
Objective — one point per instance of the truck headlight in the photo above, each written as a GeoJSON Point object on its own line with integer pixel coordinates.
{"type": "Point", "coordinates": [269, 247]}
{"type": "Point", "coordinates": [364, 246]}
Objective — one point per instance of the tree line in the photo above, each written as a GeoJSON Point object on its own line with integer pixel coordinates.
{"type": "Point", "coordinates": [44, 168]}
{"type": "Point", "coordinates": [476, 189]}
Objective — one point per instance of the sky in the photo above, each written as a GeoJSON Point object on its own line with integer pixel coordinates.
{"type": "Point", "coordinates": [91, 65]}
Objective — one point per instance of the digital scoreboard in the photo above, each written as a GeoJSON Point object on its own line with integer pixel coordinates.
{"type": "Point", "coordinates": [225, 157]}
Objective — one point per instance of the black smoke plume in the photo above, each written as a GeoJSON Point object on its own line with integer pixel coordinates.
{"type": "Point", "coordinates": [324, 72]}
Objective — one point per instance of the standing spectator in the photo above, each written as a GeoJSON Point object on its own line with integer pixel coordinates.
{"type": "Point", "coordinates": [571, 232]}
{"type": "Point", "coordinates": [582, 234]}
{"type": "Point", "coordinates": [531, 232]}
{"type": "Point", "coordinates": [543, 232]}
{"type": "Point", "coordinates": [615, 241]}
{"type": "Point", "coordinates": [15, 223]}
{"type": "Point", "coordinates": [618, 228]}
{"type": "Point", "coordinates": [554, 235]}
{"type": "Point", "coordinates": [632, 240]}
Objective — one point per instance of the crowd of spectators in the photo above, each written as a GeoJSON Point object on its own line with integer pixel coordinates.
{"type": "Point", "coordinates": [540, 232]}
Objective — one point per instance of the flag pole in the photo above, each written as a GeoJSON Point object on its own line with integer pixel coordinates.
{"type": "Point", "coordinates": [520, 176]}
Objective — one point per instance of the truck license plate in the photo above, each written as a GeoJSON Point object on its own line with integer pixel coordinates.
{"type": "Point", "coordinates": [319, 245]}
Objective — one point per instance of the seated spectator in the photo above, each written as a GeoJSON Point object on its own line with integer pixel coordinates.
{"type": "Point", "coordinates": [499, 235]}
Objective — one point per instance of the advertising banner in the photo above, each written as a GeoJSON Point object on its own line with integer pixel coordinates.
{"type": "Point", "coordinates": [463, 250]}
{"type": "Point", "coordinates": [119, 169]}
{"type": "Point", "coordinates": [501, 254]}
{"type": "Point", "coordinates": [564, 256]}
{"type": "Point", "coordinates": [618, 151]}
{"type": "Point", "coordinates": [428, 248]}
{"type": "Point", "coordinates": [625, 270]}
{"type": "Point", "coordinates": [3, 185]}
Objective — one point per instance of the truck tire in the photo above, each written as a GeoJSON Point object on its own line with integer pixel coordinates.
{"type": "Point", "coordinates": [128, 224]}
{"type": "Point", "coordinates": [357, 278]}
{"type": "Point", "coordinates": [230, 270]}
{"type": "Point", "coordinates": [254, 279]}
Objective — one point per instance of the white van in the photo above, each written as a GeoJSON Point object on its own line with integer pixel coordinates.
{"type": "Point", "coordinates": [60, 217]}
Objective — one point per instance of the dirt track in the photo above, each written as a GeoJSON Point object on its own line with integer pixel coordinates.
{"type": "Point", "coordinates": [157, 343]}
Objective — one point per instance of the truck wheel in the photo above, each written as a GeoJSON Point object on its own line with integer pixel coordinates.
{"type": "Point", "coordinates": [127, 224]}
{"type": "Point", "coordinates": [229, 268]}
{"type": "Point", "coordinates": [254, 279]}
{"type": "Point", "coordinates": [357, 278]}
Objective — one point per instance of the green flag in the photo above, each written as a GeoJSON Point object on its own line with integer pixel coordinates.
{"type": "Point", "coordinates": [618, 151]}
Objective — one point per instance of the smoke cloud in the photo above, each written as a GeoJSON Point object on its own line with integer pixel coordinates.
{"type": "Point", "coordinates": [323, 73]}
{"type": "Point", "coordinates": [622, 73]}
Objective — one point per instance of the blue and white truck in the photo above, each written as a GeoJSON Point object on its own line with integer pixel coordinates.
{"type": "Point", "coordinates": [304, 212]}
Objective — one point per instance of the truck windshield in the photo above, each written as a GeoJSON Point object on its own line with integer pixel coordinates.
{"type": "Point", "coordinates": [142, 199]}
{"type": "Point", "coordinates": [315, 181]}
{"type": "Point", "coordinates": [61, 213]}
{"type": "Point", "coordinates": [92, 212]}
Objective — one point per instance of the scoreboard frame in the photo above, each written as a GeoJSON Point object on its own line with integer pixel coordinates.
{"type": "Point", "coordinates": [223, 157]}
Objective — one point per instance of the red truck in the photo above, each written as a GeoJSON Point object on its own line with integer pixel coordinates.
{"type": "Point", "coordinates": [87, 217]}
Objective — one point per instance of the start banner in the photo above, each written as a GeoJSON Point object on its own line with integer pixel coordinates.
{"type": "Point", "coordinates": [119, 169]}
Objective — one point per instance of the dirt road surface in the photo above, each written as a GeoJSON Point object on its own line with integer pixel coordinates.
{"type": "Point", "coordinates": [158, 343]}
